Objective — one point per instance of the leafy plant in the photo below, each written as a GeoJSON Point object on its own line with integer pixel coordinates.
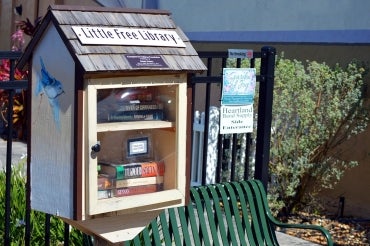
{"type": "Point", "coordinates": [19, 114]}
{"type": "Point", "coordinates": [316, 109]}
{"type": "Point", "coordinates": [18, 214]}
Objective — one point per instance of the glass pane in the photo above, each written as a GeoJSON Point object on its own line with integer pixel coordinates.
{"type": "Point", "coordinates": [136, 160]}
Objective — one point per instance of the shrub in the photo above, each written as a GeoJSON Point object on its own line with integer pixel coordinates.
{"type": "Point", "coordinates": [316, 109]}
{"type": "Point", "coordinates": [18, 213]}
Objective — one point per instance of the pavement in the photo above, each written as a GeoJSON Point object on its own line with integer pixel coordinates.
{"type": "Point", "coordinates": [19, 152]}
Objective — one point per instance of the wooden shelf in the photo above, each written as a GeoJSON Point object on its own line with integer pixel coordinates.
{"type": "Point", "coordinates": [151, 201]}
{"type": "Point", "coordinates": [134, 125]}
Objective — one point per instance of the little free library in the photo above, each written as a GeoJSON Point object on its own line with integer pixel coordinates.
{"type": "Point", "coordinates": [109, 120]}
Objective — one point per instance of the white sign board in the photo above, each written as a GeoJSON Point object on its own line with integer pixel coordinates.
{"type": "Point", "coordinates": [236, 119]}
{"type": "Point", "coordinates": [240, 53]}
{"type": "Point", "coordinates": [127, 36]}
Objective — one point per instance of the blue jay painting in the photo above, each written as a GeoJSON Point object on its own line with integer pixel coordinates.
{"type": "Point", "coordinates": [52, 88]}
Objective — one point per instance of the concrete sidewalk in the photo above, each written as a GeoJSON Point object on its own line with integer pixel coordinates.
{"type": "Point", "coordinates": [19, 151]}
{"type": "Point", "coordinates": [287, 240]}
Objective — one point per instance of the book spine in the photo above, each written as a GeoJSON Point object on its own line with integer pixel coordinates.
{"type": "Point", "coordinates": [140, 107]}
{"type": "Point", "coordinates": [150, 169]}
{"type": "Point", "coordinates": [137, 190]}
{"type": "Point", "coordinates": [104, 194]}
{"type": "Point", "coordinates": [104, 182]}
{"type": "Point", "coordinates": [138, 181]}
{"type": "Point", "coordinates": [156, 114]}
{"type": "Point", "coordinates": [133, 170]}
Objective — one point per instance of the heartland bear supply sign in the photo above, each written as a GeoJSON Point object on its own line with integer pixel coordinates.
{"type": "Point", "coordinates": [127, 36]}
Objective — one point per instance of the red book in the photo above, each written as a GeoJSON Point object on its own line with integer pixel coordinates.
{"type": "Point", "coordinates": [137, 190]}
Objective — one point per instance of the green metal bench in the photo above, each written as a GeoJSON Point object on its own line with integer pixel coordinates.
{"type": "Point", "coordinates": [233, 213]}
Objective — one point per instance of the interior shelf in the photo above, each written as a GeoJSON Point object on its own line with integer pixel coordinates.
{"type": "Point", "coordinates": [134, 125]}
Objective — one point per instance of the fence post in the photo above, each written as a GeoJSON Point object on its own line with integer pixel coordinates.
{"type": "Point", "coordinates": [9, 157]}
{"type": "Point", "coordinates": [265, 113]}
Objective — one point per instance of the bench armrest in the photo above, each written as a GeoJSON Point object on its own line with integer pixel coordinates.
{"type": "Point", "coordinates": [321, 229]}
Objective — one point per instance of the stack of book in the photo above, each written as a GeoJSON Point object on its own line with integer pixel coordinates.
{"type": "Point", "coordinates": [137, 112]}
{"type": "Point", "coordinates": [117, 180]}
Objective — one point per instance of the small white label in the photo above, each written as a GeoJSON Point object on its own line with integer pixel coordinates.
{"type": "Point", "coordinates": [240, 53]}
{"type": "Point", "coordinates": [127, 36]}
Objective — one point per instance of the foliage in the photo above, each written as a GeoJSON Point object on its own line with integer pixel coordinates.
{"type": "Point", "coordinates": [316, 109]}
{"type": "Point", "coordinates": [18, 214]}
{"type": "Point", "coordinates": [19, 114]}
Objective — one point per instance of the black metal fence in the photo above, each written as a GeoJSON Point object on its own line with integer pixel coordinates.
{"type": "Point", "coordinates": [215, 62]}
{"type": "Point", "coordinates": [262, 139]}
{"type": "Point", "coordinates": [11, 86]}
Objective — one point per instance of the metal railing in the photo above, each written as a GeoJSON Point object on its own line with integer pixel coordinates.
{"type": "Point", "coordinates": [216, 61]}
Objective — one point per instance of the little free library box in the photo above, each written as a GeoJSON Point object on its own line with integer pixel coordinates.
{"type": "Point", "coordinates": [109, 117]}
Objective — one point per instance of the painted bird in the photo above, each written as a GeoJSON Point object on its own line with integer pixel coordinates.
{"type": "Point", "coordinates": [52, 88]}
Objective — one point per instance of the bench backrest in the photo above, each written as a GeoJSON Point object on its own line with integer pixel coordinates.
{"type": "Point", "coordinates": [232, 213]}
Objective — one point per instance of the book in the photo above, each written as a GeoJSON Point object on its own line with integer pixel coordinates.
{"type": "Point", "coordinates": [132, 170]}
{"type": "Point", "coordinates": [120, 183]}
{"type": "Point", "coordinates": [137, 190]}
{"type": "Point", "coordinates": [104, 182]}
{"type": "Point", "coordinates": [137, 115]}
{"type": "Point", "coordinates": [140, 107]}
{"type": "Point", "coordinates": [104, 194]}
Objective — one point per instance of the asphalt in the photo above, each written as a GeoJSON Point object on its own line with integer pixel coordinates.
{"type": "Point", "coordinates": [19, 152]}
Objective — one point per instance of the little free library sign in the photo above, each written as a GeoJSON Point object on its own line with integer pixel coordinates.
{"type": "Point", "coordinates": [127, 36]}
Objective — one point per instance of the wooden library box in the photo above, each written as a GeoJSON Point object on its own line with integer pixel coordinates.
{"type": "Point", "coordinates": [109, 117]}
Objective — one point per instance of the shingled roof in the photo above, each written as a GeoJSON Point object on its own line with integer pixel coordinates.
{"type": "Point", "coordinates": [95, 58]}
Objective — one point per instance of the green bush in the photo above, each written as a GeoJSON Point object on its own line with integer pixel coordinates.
{"type": "Point", "coordinates": [316, 108]}
{"type": "Point", "coordinates": [18, 213]}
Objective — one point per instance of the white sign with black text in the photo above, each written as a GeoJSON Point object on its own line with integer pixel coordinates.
{"type": "Point", "coordinates": [236, 119]}
{"type": "Point", "coordinates": [127, 36]}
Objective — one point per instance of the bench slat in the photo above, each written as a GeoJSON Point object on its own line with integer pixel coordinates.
{"type": "Point", "coordinates": [184, 226]}
{"type": "Point", "coordinates": [203, 232]}
{"type": "Point", "coordinates": [235, 204]}
{"type": "Point", "coordinates": [268, 229]}
{"type": "Point", "coordinates": [244, 207]}
{"type": "Point", "coordinates": [228, 214]}
{"type": "Point", "coordinates": [210, 214]}
{"type": "Point", "coordinates": [194, 225]}
{"type": "Point", "coordinates": [219, 214]}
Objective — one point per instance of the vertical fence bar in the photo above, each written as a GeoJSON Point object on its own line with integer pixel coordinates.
{"type": "Point", "coordinates": [8, 178]}
{"type": "Point", "coordinates": [66, 234]}
{"type": "Point", "coordinates": [265, 113]}
{"type": "Point", "coordinates": [206, 122]}
{"type": "Point", "coordinates": [234, 141]}
{"type": "Point", "coordinates": [47, 229]}
{"type": "Point", "coordinates": [220, 140]}
{"type": "Point", "coordinates": [248, 141]}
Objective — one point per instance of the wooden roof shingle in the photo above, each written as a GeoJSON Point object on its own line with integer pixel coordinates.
{"type": "Point", "coordinates": [108, 58]}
